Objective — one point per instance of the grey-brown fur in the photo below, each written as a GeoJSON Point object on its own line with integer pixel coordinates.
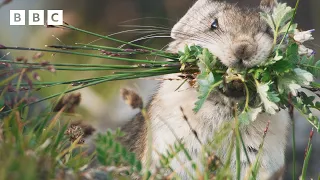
{"type": "Point", "coordinates": [242, 40]}
{"type": "Point", "coordinates": [135, 135]}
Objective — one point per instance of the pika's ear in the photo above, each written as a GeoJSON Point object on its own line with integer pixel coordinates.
{"type": "Point", "coordinates": [184, 27]}
{"type": "Point", "coordinates": [268, 5]}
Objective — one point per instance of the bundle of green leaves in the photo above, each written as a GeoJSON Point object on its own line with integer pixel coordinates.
{"type": "Point", "coordinates": [290, 67]}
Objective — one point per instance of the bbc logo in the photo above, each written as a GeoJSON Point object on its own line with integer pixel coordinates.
{"type": "Point", "coordinates": [36, 17]}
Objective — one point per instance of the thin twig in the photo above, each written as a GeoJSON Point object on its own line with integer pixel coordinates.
{"type": "Point", "coordinates": [192, 130]}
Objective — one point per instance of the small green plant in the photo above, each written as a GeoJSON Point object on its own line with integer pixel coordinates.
{"type": "Point", "coordinates": [39, 148]}
{"type": "Point", "coordinates": [112, 154]}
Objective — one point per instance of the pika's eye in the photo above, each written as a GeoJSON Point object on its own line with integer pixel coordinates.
{"type": "Point", "coordinates": [214, 24]}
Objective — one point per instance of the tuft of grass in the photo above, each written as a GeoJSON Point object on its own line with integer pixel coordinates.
{"type": "Point", "coordinates": [38, 149]}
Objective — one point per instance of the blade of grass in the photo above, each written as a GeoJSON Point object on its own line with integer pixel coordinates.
{"type": "Point", "coordinates": [99, 81]}
{"type": "Point", "coordinates": [135, 66]}
{"type": "Point", "coordinates": [254, 169]}
{"type": "Point", "coordinates": [305, 163]}
{"type": "Point", "coordinates": [307, 156]}
{"type": "Point", "coordinates": [87, 55]}
{"type": "Point", "coordinates": [117, 76]}
{"type": "Point", "coordinates": [237, 138]}
{"type": "Point", "coordinates": [113, 39]}
{"type": "Point", "coordinates": [6, 81]}
{"type": "Point", "coordinates": [244, 149]}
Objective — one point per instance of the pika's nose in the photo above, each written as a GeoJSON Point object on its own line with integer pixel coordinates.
{"type": "Point", "coordinates": [243, 50]}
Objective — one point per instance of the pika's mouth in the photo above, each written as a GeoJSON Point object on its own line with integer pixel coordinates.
{"type": "Point", "coordinates": [234, 89]}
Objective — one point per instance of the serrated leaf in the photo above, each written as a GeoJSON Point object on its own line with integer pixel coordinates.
{"type": "Point", "coordinates": [263, 90]}
{"type": "Point", "coordinates": [268, 18]}
{"type": "Point", "coordinates": [282, 14]}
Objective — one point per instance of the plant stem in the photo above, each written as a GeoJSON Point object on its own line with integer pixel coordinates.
{"type": "Point", "coordinates": [291, 21]}
{"type": "Point", "coordinates": [307, 156]}
{"type": "Point", "coordinates": [291, 108]}
{"type": "Point", "coordinates": [172, 56]}
{"type": "Point", "coordinates": [244, 149]}
{"type": "Point", "coordinates": [88, 55]}
{"type": "Point", "coordinates": [95, 81]}
{"type": "Point", "coordinates": [237, 133]}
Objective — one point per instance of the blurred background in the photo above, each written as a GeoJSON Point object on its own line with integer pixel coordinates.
{"type": "Point", "coordinates": [102, 104]}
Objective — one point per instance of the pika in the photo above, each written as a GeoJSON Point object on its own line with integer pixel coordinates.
{"type": "Point", "coordinates": [240, 39]}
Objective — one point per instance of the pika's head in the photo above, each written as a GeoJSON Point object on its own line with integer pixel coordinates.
{"type": "Point", "coordinates": [237, 36]}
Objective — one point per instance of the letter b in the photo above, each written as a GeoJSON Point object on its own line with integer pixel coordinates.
{"type": "Point", "coordinates": [17, 17]}
{"type": "Point", "coordinates": [36, 17]}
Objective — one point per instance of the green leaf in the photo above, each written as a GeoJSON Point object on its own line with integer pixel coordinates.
{"type": "Point", "coordinates": [273, 96]}
{"type": "Point", "coordinates": [266, 76]}
{"type": "Point", "coordinates": [206, 61]}
{"type": "Point", "coordinates": [206, 85]}
{"type": "Point", "coordinates": [285, 28]}
{"type": "Point", "coordinates": [302, 104]}
{"type": "Point", "coordinates": [292, 54]}
{"type": "Point", "coordinates": [268, 18]}
{"type": "Point", "coordinates": [310, 64]}
{"type": "Point", "coordinates": [117, 148]}
{"type": "Point", "coordinates": [282, 66]}
{"type": "Point", "coordinates": [266, 95]}
{"type": "Point", "coordinates": [190, 55]}
{"type": "Point", "coordinates": [132, 158]}
{"type": "Point", "coordinates": [282, 14]}
{"type": "Point", "coordinates": [124, 152]}
{"type": "Point", "coordinates": [139, 166]}
{"type": "Point", "coordinates": [257, 72]}
{"type": "Point", "coordinates": [316, 69]}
